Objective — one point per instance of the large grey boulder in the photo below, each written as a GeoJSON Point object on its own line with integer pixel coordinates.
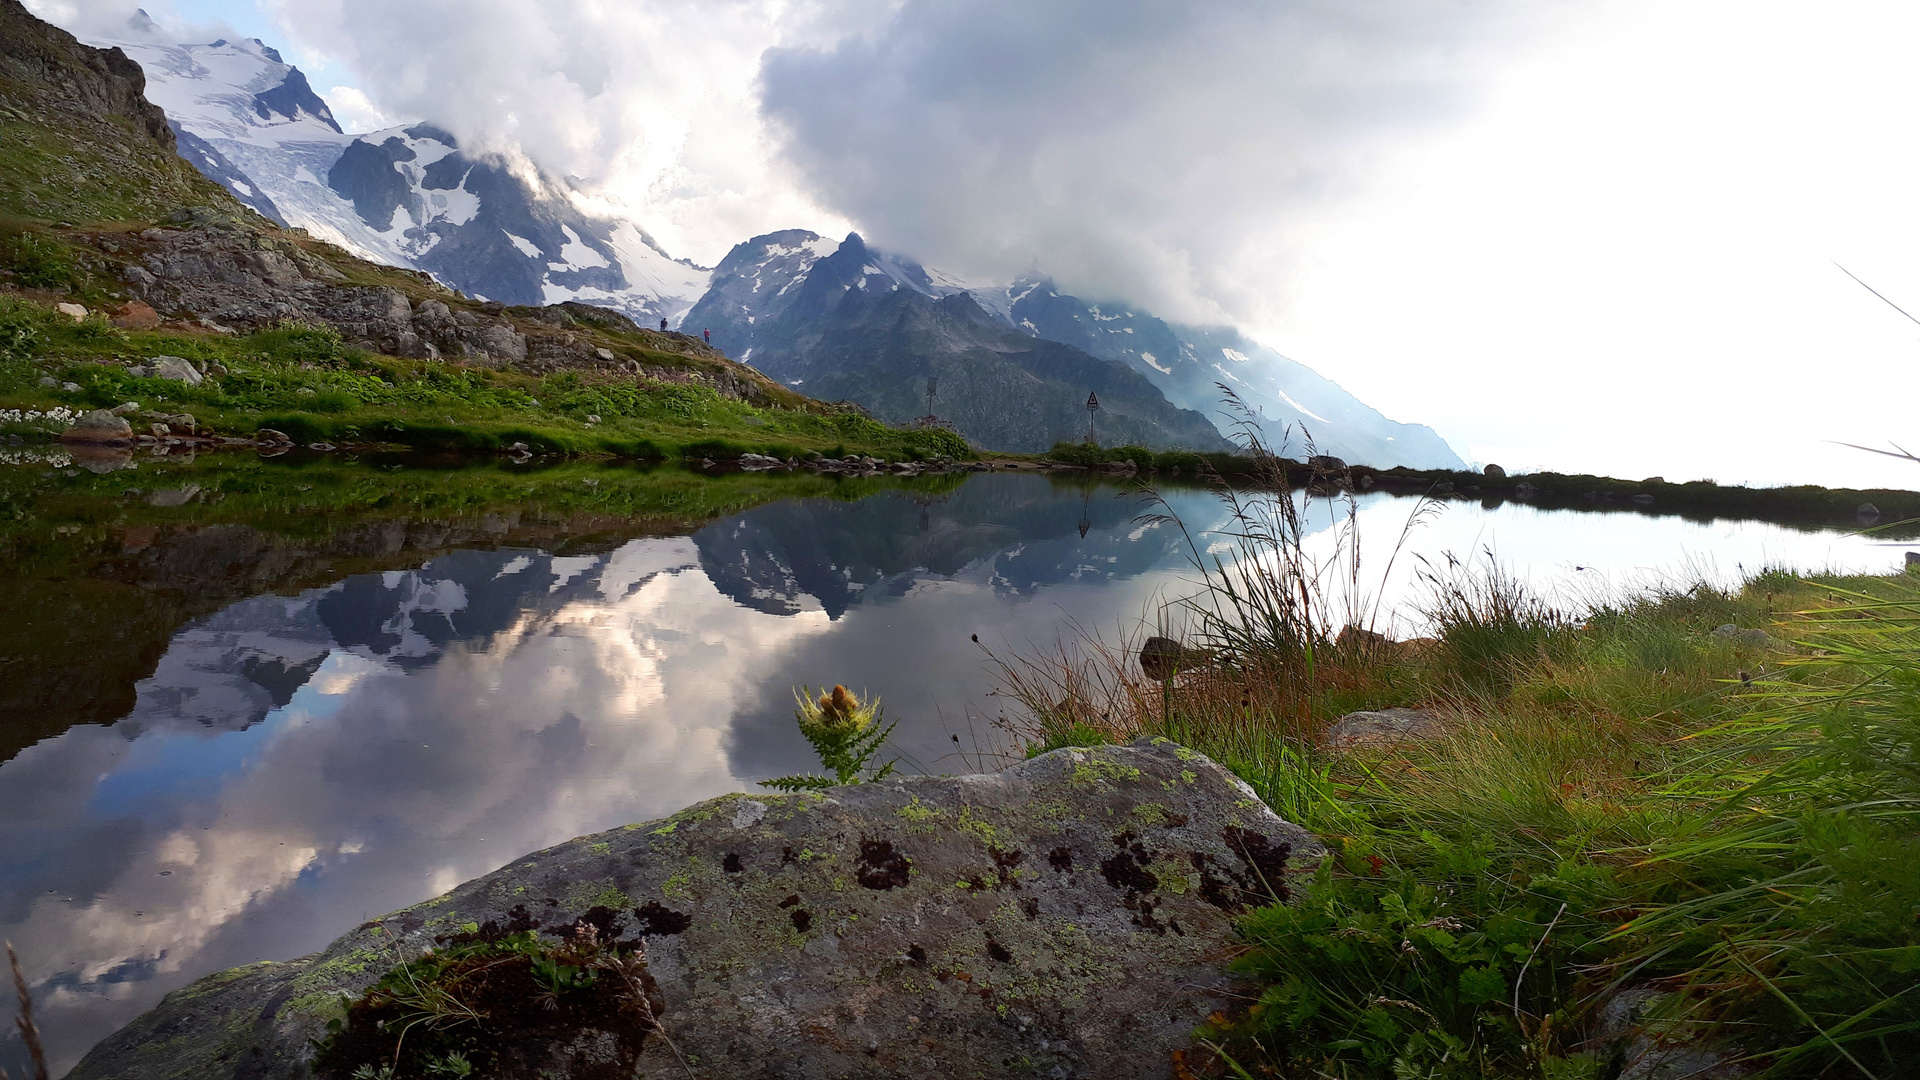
{"type": "Point", "coordinates": [99, 427]}
{"type": "Point", "coordinates": [176, 367]}
{"type": "Point", "coordinates": [1069, 917]}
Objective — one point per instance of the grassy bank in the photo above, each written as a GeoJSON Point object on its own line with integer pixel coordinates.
{"type": "Point", "coordinates": [1623, 804]}
{"type": "Point", "coordinates": [306, 382]}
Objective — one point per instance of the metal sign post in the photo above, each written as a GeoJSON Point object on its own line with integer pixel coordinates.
{"type": "Point", "coordinates": [1093, 406]}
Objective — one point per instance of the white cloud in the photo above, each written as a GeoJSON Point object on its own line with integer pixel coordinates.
{"type": "Point", "coordinates": [355, 111]}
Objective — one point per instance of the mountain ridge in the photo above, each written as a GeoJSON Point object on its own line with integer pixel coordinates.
{"type": "Point", "coordinates": [861, 325]}
{"type": "Point", "coordinates": [408, 196]}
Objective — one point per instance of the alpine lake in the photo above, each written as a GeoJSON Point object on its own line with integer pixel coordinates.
{"type": "Point", "coordinates": [247, 704]}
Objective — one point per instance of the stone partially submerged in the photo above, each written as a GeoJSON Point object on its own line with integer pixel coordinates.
{"type": "Point", "coordinates": [1069, 917]}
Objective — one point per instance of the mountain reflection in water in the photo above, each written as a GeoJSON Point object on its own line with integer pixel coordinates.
{"type": "Point", "coordinates": [292, 765]}
{"type": "Point", "coordinates": [297, 764]}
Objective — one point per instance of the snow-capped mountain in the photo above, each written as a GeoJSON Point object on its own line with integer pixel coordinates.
{"type": "Point", "coordinates": [1294, 404]}
{"type": "Point", "coordinates": [763, 290]}
{"type": "Point", "coordinates": [407, 196]}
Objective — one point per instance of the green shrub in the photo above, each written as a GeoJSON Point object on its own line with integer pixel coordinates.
{"type": "Point", "coordinates": [37, 261]}
{"type": "Point", "coordinates": [304, 343]}
{"type": "Point", "coordinates": [21, 325]}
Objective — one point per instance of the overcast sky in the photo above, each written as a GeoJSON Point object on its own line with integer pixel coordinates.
{"type": "Point", "coordinates": [1586, 236]}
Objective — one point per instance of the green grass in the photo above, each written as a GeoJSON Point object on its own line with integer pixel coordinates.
{"type": "Point", "coordinates": [305, 381]}
{"type": "Point", "coordinates": [1620, 799]}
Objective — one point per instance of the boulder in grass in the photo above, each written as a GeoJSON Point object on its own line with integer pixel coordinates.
{"type": "Point", "coordinates": [135, 315]}
{"type": "Point", "coordinates": [71, 311]}
{"type": "Point", "coordinates": [1071, 916]}
{"type": "Point", "coordinates": [1381, 727]}
{"type": "Point", "coordinates": [176, 368]}
{"type": "Point", "coordinates": [99, 427]}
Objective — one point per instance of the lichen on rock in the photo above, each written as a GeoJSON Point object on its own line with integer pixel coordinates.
{"type": "Point", "coordinates": [1069, 917]}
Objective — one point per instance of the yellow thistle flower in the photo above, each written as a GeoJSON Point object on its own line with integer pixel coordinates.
{"type": "Point", "coordinates": [837, 715]}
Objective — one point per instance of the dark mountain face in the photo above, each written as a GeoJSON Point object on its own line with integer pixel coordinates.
{"type": "Point", "coordinates": [365, 175]}
{"type": "Point", "coordinates": [753, 286]}
{"type": "Point", "coordinates": [293, 98]}
{"type": "Point", "coordinates": [513, 244]}
{"type": "Point", "coordinates": [850, 323]}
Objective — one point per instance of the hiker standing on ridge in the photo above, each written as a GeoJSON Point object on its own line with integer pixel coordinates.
{"type": "Point", "coordinates": [663, 326]}
{"type": "Point", "coordinates": [706, 336]}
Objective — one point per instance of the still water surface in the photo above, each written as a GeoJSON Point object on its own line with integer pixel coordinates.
{"type": "Point", "coordinates": [293, 765]}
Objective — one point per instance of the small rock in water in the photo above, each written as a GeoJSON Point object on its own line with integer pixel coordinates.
{"type": "Point", "coordinates": [1161, 658]}
{"type": "Point", "coordinates": [1866, 512]}
{"type": "Point", "coordinates": [1494, 471]}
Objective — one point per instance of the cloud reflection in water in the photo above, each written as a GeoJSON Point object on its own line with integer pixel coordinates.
{"type": "Point", "coordinates": [295, 765]}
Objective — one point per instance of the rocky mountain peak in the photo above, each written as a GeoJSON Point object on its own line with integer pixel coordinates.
{"type": "Point", "coordinates": [104, 82]}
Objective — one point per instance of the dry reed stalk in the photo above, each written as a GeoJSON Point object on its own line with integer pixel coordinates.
{"type": "Point", "coordinates": [29, 1033]}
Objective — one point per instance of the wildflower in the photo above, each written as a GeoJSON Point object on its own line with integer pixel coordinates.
{"type": "Point", "coordinates": [844, 731]}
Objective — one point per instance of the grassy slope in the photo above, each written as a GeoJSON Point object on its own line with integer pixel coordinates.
{"type": "Point", "coordinates": [1622, 798]}
{"type": "Point", "coordinates": [305, 382]}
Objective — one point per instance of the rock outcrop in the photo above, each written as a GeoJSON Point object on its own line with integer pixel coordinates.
{"type": "Point", "coordinates": [1069, 917]}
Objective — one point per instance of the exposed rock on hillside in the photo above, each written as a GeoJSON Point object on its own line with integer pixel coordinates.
{"type": "Point", "coordinates": [1068, 917]}
{"type": "Point", "coordinates": [82, 142]}
{"type": "Point", "coordinates": [248, 277]}
{"type": "Point", "coordinates": [95, 82]}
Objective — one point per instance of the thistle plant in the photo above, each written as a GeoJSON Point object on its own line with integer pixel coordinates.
{"type": "Point", "coordinates": [845, 732]}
